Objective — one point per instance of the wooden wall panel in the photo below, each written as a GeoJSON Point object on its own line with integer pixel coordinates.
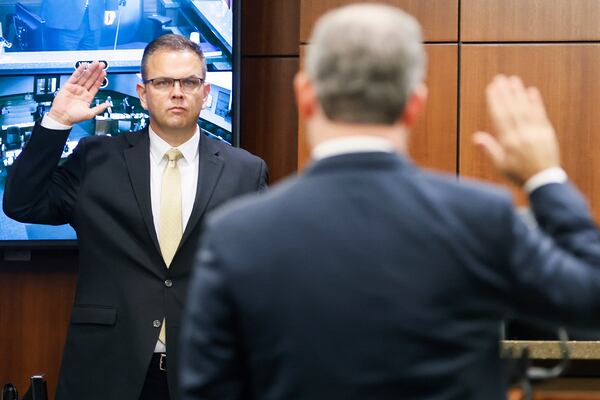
{"type": "Point", "coordinates": [269, 122]}
{"type": "Point", "coordinates": [439, 18]}
{"type": "Point", "coordinates": [303, 146]}
{"type": "Point", "coordinates": [567, 78]}
{"type": "Point", "coordinates": [270, 27]}
{"type": "Point", "coordinates": [529, 20]}
{"type": "Point", "coordinates": [433, 141]}
{"type": "Point", "coordinates": [35, 305]}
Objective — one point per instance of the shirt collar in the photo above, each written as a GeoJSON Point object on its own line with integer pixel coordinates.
{"type": "Point", "coordinates": [352, 144]}
{"type": "Point", "coordinates": [158, 147]}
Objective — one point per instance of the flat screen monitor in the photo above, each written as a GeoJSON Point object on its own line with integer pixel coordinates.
{"type": "Point", "coordinates": [35, 61]}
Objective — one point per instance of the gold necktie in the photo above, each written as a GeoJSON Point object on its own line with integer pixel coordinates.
{"type": "Point", "coordinates": [171, 225]}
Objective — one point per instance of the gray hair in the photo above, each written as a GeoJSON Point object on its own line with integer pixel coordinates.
{"type": "Point", "coordinates": [364, 61]}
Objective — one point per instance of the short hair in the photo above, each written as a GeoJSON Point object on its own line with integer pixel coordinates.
{"type": "Point", "coordinates": [364, 61]}
{"type": "Point", "coordinates": [174, 43]}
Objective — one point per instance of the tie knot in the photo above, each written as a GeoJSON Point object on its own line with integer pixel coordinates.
{"type": "Point", "coordinates": [173, 155]}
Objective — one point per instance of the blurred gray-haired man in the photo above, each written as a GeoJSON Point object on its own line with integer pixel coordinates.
{"type": "Point", "coordinates": [368, 278]}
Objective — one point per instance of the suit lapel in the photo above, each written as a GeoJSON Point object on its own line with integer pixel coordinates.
{"type": "Point", "coordinates": [209, 172]}
{"type": "Point", "coordinates": [137, 158]}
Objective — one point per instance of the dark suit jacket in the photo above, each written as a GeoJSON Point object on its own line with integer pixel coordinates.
{"type": "Point", "coordinates": [367, 278]}
{"type": "Point", "coordinates": [103, 191]}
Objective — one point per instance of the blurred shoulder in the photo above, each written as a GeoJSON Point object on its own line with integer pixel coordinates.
{"type": "Point", "coordinates": [465, 188]}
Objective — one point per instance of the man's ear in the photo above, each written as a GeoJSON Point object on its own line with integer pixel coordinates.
{"type": "Point", "coordinates": [415, 105]}
{"type": "Point", "coordinates": [141, 91]}
{"type": "Point", "coordinates": [306, 99]}
{"type": "Point", "coordinates": [205, 92]}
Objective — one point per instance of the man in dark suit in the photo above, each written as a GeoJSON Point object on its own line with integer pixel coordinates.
{"type": "Point", "coordinates": [368, 278]}
{"type": "Point", "coordinates": [77, 24]}
{"type": "Point", "coordinates": [137, 216]}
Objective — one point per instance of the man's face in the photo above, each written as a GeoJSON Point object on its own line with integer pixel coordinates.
{"type": "Point", "coordinates": [173, 110]}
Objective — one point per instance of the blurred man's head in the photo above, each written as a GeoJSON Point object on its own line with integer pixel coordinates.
{"type": "Point", "coordinates": [363, 65]}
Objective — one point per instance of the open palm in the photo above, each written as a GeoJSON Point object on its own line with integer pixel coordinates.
{"type": "Point", "coordinates": [72, 103]}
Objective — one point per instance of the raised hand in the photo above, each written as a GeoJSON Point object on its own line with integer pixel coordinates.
{"type": "Point", "coordinates": [72, 103]}
{"type": "Point", "coordinates": [524, 142]}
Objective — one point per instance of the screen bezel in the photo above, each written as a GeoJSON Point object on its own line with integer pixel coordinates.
{"type": "Point", "coordinates": [69, 244]}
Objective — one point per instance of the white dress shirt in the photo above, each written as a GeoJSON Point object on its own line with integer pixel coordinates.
{"type": "Point", "coordinates": [188, 168]}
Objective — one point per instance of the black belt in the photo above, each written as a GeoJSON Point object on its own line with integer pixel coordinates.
{"type": "Point", "coordinates": [159, 361]}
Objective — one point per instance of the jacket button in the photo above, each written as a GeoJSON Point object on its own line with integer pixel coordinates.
{"type": "Point", "coordinates": [156, 323]}
{"type": "Point", "coordinates": [168, 283]}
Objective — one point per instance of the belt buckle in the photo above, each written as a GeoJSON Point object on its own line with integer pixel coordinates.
{"type": "Point", "coordinates": [162, 364]}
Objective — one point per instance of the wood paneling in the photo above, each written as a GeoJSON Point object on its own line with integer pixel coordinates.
{"type": "Point", "coordinates": [439, 18]}
{"type": "Point", "coordinates": [303, 147]}
{"type": "Point", "coordinates": [567, 78]}
{"type": "Point", "coordinates": [529, 20]}
{"type": "Point", "coordinates": [270, 27]}
{"type": "Point", "coordinates": [433, 141]}
{"type": "Point", "coordinates": [269, 122]}
{"type": "Point", "coordinates": [35, 304]}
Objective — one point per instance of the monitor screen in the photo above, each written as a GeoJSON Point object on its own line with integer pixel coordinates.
{"type": "Point", "coordinates": [39, 50]}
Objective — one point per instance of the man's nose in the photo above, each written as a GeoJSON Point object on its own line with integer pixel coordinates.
{"type": "Point", "coordinates": [176, 90]}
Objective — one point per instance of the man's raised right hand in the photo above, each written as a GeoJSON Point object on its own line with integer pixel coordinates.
{"type": "Point", "coordinates": [72, 103]}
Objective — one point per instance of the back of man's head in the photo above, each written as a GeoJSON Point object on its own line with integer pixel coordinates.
{"type": "Point", "coordinates": [364, 61]}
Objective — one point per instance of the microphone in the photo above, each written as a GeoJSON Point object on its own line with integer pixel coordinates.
{"type": "Point", "coordinates": [9, 392]}
{"type": "Point", "coordinates": [543, 374]}
{"type": "Point", "coordinates": [523, 373]}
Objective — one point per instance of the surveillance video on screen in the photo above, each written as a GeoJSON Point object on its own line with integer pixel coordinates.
{"type": "Point", "coordinates": [41, 44]}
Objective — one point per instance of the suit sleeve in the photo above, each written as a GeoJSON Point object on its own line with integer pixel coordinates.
{"type": "Point", "coordinates": [557, 268]}
{"type": "Point", "coordinates": [37, 189]}
{"type": "Point", "coordinates": [210, 365]}
{"type": "Point", "coordinates": [563, 213]}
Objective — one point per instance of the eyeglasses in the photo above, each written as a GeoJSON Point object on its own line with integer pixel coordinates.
{"type": "Point", "coordinates": [188, 85]}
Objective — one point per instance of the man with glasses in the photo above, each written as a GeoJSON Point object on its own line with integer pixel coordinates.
{"type": "Point", "coordinates": [137, 202]}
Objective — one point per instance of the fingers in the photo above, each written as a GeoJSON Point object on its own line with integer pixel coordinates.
{"type": "Point", "coordinates": [499, 105]}
{"type": "Point", "coordinates": [524, 142]}
{"type": "Point", "coordinates": [511, 105]}
{"type": "Point", "coordinates": [538, 110]}
{"type": "Point", "coordinates": [490, 146]}
{"type": "Point", "coordinates": [96, 75]}
{"type": "Point", "coordinates": [87, 75]}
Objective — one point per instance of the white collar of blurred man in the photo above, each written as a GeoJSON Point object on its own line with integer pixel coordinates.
{"type": "Point", "coordinates": [320, 129]}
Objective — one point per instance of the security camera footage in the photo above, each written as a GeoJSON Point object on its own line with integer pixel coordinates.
{"type": "Point", "coordinates": [42, 42]}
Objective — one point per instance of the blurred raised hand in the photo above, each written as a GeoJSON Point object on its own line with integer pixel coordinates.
{"type": "Point", "coordinates": [523, 142]}
{"type": "Point", "coordinates": [72, 102]}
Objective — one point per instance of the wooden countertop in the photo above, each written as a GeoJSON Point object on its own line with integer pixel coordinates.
{"type": "Point", "coordinates": [550, 349]}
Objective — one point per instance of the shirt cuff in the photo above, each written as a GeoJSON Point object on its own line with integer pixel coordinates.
{"type": "Point", "coordinates": [545, 177]}
{"type": "Point", "coordinates": [50, 123]}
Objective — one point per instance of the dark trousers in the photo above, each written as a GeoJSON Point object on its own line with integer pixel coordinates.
{"type": "Point", "coordinates": [83, 38]}
{"type": "Point", "coordinates": [156, 386]}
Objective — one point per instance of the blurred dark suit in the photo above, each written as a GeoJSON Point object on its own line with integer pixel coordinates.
{"type": "Point", "coordinates": [368, 278]}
